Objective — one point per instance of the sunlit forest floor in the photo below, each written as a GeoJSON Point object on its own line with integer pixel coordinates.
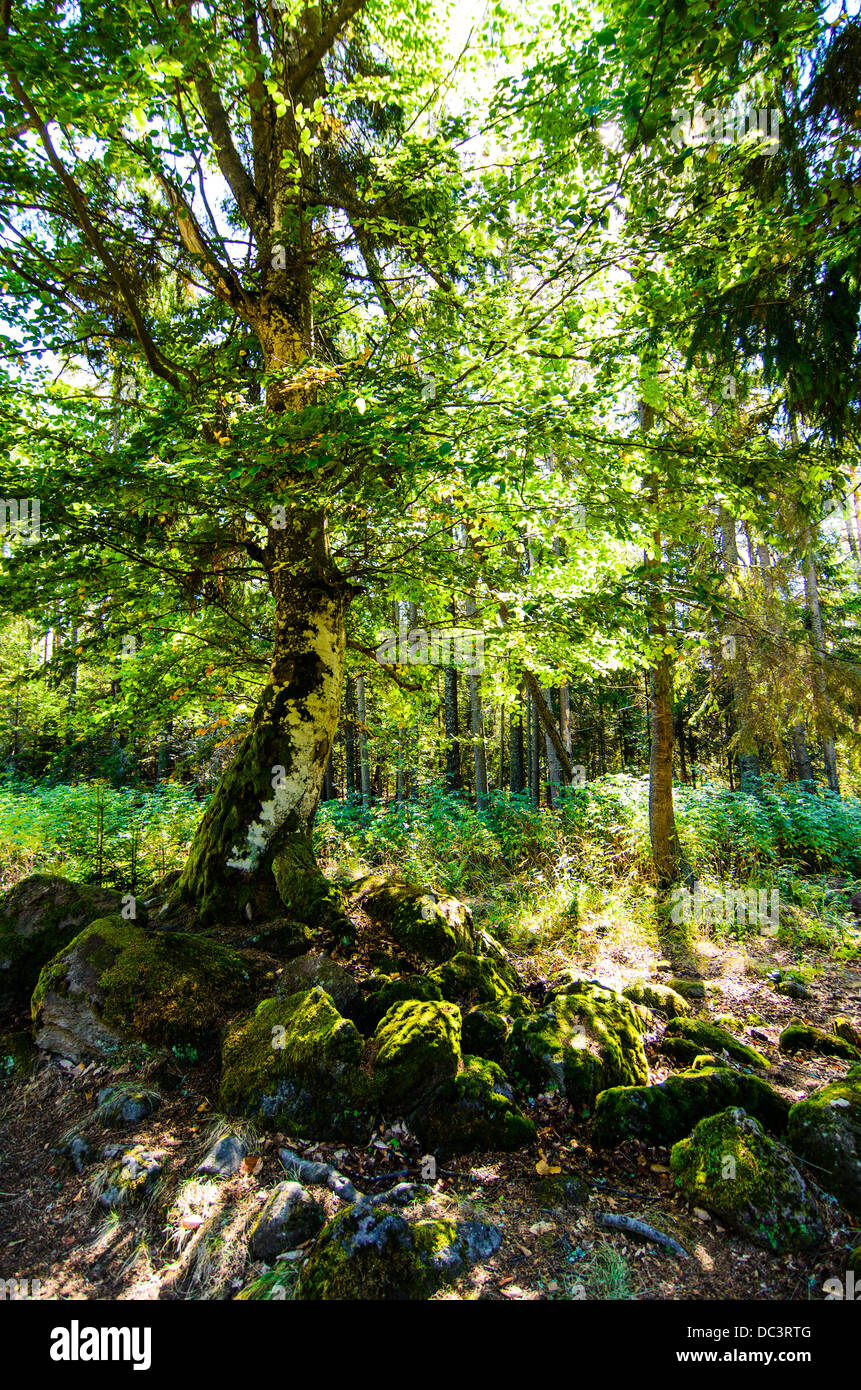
{"type": "Point", "coordinates": [559, 890]}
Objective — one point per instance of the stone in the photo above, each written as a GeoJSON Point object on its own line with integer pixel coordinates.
{"type": "Point", "coordinates": [585, 1041]}
{"type": "Point", "coordinates": [416, 1047]}
{"type": "Point", "coordinates": [803, 1037]}
{"type": "Point", "coordinates": [825, 1130]}
{"type": "Point", "coordinates": [117, 982]}
{"type": "Point", "coordinates": [748, 1182]}
{"type": "Point", "coordinates": [425, 924]}
{"type": "Point", "coordinates": [225, 1157]}
{"type": "Point", "coordinates": [126, 1104]}
{"type": "Point", "coordinates": [294, 1064]}
{"type": "Point", "coordinates": [661, 998]}
{"type": "Point", "coordinates": [381, 1250]}
{"type": "Point", "coordinates": [474, 1110]}
{"type": "Point", "coordinates": [662, 1114]}
{"type": "Point", "coordinates": [130, 1179]}
{"type": "Point", "coordinates": [39, 917]}
{"type": "Point", "coordinates": [708, 1037]}
{"type": "Point", "coordinates": [313, 968]}
{"type": "Point", "coordinates": [290, 1217]}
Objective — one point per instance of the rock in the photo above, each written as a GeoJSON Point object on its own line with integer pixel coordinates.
{"type": "Point", "coordinates": [415, 1048]}
{"type": "Point", "coordinates": [708, 1037]}
{"type": "Point", "coordinates": [585, 1041]}
{"type": "Point", "coordinates": [662, 1114]}
{"type": "Point", "coordinates": [484, 1034]}
{"type": "Point", "coordinates": [422, 923]}
{"type": "Point", "coordinates": [383, 993]}
{"type": "Point", "coordinates": [825, 1130]}
{"type": "Point", "coordinates": [792, 989]}
{"type": "Point", "coordinates": [748, 1182]}
{"type": "Point", "coordinates": [312, 969]}
{"type": "Point", "coordinates": [130, 1180]}
{"type": "Point", "coordinates": [320, 1175]}
{"type": "Point", "coordinates": [658, 997]}
{"type": "Point", "coordinates": [125, 1104]}
{"type": "Point", "coordinates": [472, 979]}
{"type": "Point", "coordinates": [802, 1037]}
{"type": "Point", "coordinates": [282, 937]}
{"type": "Point", "coordinates": [379, 1251]}
{"type": "Point", "coordinates": [294, 1064]}
{"type": "Point", "coordinates": [290, 1217]}
{"type": "Point", "coordinates": [117, 981]}
{"type": "Point", "coordinates": [39, 917]}
{"type": "Point", "coordinates": [474, 1110]}
{"type": "Point", "coordinates": [845, 1029]}
{"type": "Point", "coordinates": [688, 989]}
{"type": "Point", "coordinates": [558, 1191]}
{"type": "Point", "coordinates": [77, 1151]}
{"type": "Point", "coordinates": [225, 1157]}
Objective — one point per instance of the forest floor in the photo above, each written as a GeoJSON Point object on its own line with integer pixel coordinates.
{"type": "Point", "coordinates": [189, 1240]}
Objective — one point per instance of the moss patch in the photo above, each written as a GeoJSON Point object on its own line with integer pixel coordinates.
{"type": "Point", "coordinates": [802, 1037]}
{"type": "Point", "coordinates": [708, 1037]}
{"type": "Point", "coordinates": [415, 1048]}
{"type": "Point", "coordinates": [665, 1113]}
{"type": "Point", "coordinates": [825, 1129]}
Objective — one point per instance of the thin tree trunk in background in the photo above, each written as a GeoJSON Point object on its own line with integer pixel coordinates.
{"type": "Point", "coordinates": [801, 757]}
{"type": "Point", "coordinates": [453, 778]}
{"type": "Point", "coordinates": [479, 751]}
{"type": "Point", "coordinates": [516, 771]}
{"type": "Point", "coordinates": [364, 766]}
{"type": "Point", "coordinates": [811, 590]}
{"type": "Point", "coordinates": [750, 772]}
{"type": "Point", "coordinates": [680, 738]}
{"type": "Point", "coordinates": [535, 788]}
{"type": "Point", "coordinates": [350, 741]}
{"type": "Point", "coordinates": [554, 767]}
{"type": "Point", "coordinates": [328, 793]}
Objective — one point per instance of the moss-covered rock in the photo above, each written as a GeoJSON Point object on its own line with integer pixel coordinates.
{"type": "Point", "coordinates": [376, 1251]}
{"type": "Point", "coordinates": [424, 924]}
{"type": "Point", "coordinates": [802, 1037]}
{"type": "Point", "coordinates": [846, 1029]}
{"type": "Point", "coordinates": [688, 989]}
{"type": "Point", "coordinates": [585, 1041]}
{"type": "Point", "coordinates": [661, 998]}
{"type": "Point", "coordinates": [382, 993]}
{"type": "Point", "coordinates": [314, 968]}
{"type": "Point", "coordinates": [750, 1183]}
{"type": "Point", "coordinates": [484, 1034]}
{"type": "Point", "coordinates": [129, 1180]}
{"type": "Point", "coordinates": [663, 1114]}
{"type": "Point", "coordinates": [473, 979]}
{"type": "Point", "coordinates": [708, 1037]}
{"type": "Point", "coordinates": [295, 1064]}
{"type": "Point", "coordinates": [117, 981]}
{"type": "Point", "coordinates": [38, 917]}
{"type": "Point", "coordinates": [825, 1129]}
{"type": "Point", "coordinates": [474, 1110]}
{"type": "Point", "coordinates": [415, 1048]}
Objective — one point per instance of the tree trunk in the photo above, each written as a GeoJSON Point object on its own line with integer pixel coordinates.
{"type": "Point", "coordinates": [256, 830]}
{"type": "Point", "coordinates": [801, 757]}
{"type": "Point", "coordinates": [453, 780]}
{"type": "Point", "coordinates": [516, 770]}
{"type": "Point", "coordinates": [364, 765]}
{"type": "Point", "coordinates": [750, 772]}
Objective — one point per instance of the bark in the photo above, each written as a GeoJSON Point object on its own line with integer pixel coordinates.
{"type": "Point", "coordinates": [364, 765]}
{"type": "Point", "coordinates": [517, 773]}
{"type": "Point", "coordinates": [350, 741]}
{"type": "Point", "coordinates": [801, 757]}
{"type": "Point", "coordinates": [453, 780]}
{"type": "Point", "coordinates": [750, 772]}
{"type": "Point", "coordinates": [554, 767]}
{"type": "Point", "coordinates": [823, 701]}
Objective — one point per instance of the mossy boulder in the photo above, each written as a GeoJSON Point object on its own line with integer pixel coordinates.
{"type": "Point", "coordinates": [424, 924]}
{"type": "Point", "coordinates": [313, 968]}
{"type": "Point", "coordinates": [688, 989]}
{"type": "Point", "coordinates": [39, 917]}
{"type": "Point", "coordinates": [663, 1114]}
{"type": "Point", "coordinates": [474, 1110]}
{"type": "Point", "coordinates": [825, 1129]}
{"type": "Point", "coordinates": [585, 1041]}
{"type": "Point", "coordinates": [661, 998]}
{"type": "Point", "coordinates": [749, 1182]}
{"type": "Point", "coordinates": [295, 1064]}
{"type": "Point", "coordinates": [474, 979]}
{"type": "Point", "coordinates": [415, 1048]}
{"type": "Point", "coordinates": [382, 993]}
{"type": "Point", "coordinates": [378, 1250]}
{"type": "Point", "coordinates": [484, 1034]}
{"type": "Point", "coordinates": [708, 1037]}
{"type": "Point", "coordinates": [117, 981]}
{"type": "Point", "coordinates": [803, 1037]}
